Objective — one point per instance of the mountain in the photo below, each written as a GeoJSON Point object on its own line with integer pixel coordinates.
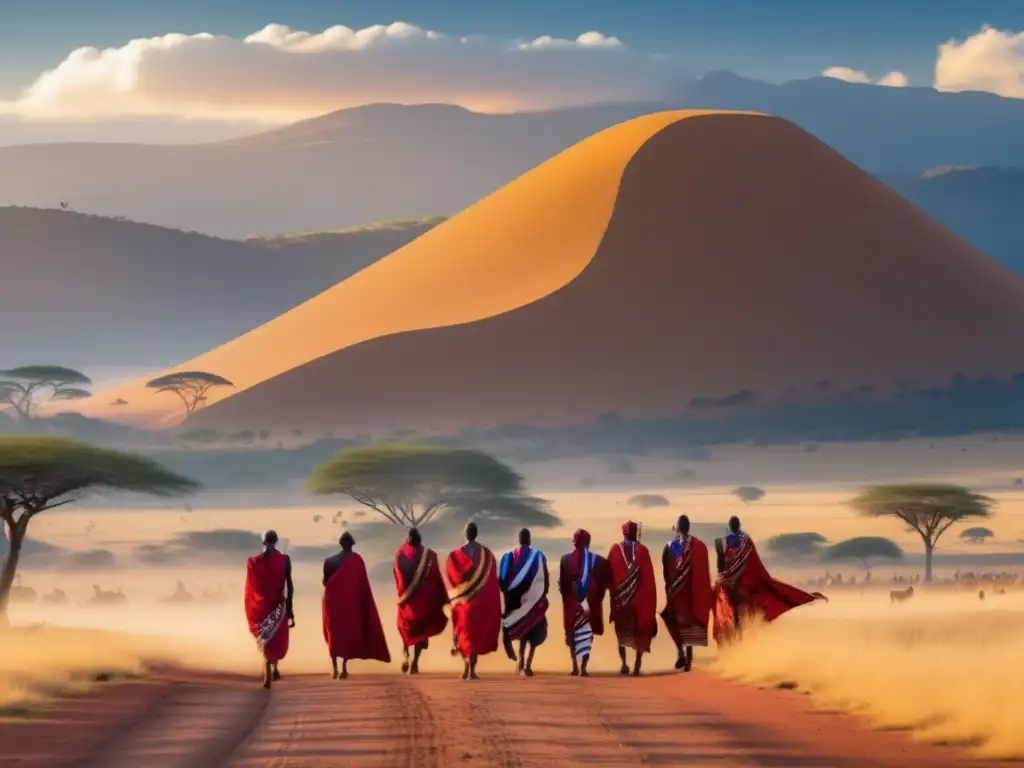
{"type": "Point", "coordinates": [981, 204]}
{"type": "Point", "coordinates": [690, 263]}
{"type": "Point", "coordinates": [384, 161]}
{"type": "Point", "coordinates": [87, 291]}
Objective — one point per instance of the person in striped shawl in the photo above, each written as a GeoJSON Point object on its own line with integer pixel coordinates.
{"type": "Point", "coordinates": [582, 581]}
{"type": "Point", "coordinates": [634, 596]}
{"type": "Point", "coordinates": [523, 577]}
{"type": "Point", "coordinates": [744, 588]}
{"type": "Point", "coordinates": [688, 594]}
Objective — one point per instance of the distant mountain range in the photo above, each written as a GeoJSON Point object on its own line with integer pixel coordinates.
{"type": "Point", "coordinates": [984, 205]}
{"type": "Point", "coordinates": [101, 272]}
{"type": "Point", "coordinates": [87, 291]}
{"type": "Point", "coordinates": [384, 161]}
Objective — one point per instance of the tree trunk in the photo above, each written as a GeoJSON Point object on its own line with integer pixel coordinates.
{"type": "Point", "coordinates": [17, 538]}
{"type": "Point", "coordinates": [929, 548]}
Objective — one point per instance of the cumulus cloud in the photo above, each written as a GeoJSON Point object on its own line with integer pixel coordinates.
{"type": "Point", "coordinates": [280, 74]}
{"type": "Point", "coordinates": [990, 60]}
{"type": "Point", "coordinates": [850, 75]}
{"type": "Point", "coordinates": [894, 80]}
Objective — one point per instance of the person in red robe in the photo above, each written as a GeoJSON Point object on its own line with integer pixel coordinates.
{"type": "Point", "coordinates": [582, 582]}
{"type": "Point", "coordinates": [269, 596]}
{"type": "Point", "coordinates": [476, 602]}
{"type": "Point", "coordinates": [352, 627]}
{"type": "Point", "coordinates": [744, 588]}
{"type": "Point", "coordinates": [421, 598]}
{"type": "Point", "coordinates": [634, 596]}
{"type": "Point", "coordinates": [688, 594]}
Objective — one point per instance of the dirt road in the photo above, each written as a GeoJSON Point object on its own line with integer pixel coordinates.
{"type": "Point", "coordinates": [386, 720]}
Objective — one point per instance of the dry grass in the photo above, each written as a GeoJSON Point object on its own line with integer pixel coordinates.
{"type": "Point", "coordinates": [389, 225]}
{"type": "Point", "coordinates": [40, 662]}
{"type": "Point", "coordinates": [948, 667]}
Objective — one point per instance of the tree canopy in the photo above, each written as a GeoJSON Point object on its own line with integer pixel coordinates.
{"type": "Point", "coordinates": [927, 508]}
{"type": "Point", "coordinates": [864, 548]}
{"type": "Point", "coordinates": [976, 535]}
{"type": "Point", "coordinates": [796, 544]}
{"type": "Point", "coordinates": [747, 493]}
{"type": "Point", "coordinates": [411, 485]}
{"type": "Point", "coordinates": [648, 500]}
{"type": "Point", "coordinates": [20, 386]}
{"type": "Point", "coordinates": [40, 473]}
{"type": "Point", "coordinates": [190, 386]}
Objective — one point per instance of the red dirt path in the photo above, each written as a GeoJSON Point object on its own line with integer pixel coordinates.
{"type": "Point", "coordinates": [185, 719]}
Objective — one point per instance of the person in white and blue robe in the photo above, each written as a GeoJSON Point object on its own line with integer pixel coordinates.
{"type": "Point", "coordinates": [523, 577]}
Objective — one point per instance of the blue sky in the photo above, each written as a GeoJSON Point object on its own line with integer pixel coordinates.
{"type": "Point", "coordinates": [771, 39]}
{"type": "Point", "coordinates": [146, 72]}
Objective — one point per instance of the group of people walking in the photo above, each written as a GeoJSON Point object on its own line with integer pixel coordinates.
{"type": "Point", "coordinates": [505, 603]}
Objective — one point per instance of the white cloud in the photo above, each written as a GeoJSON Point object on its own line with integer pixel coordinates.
{"type": "Point", "coordinates": [282, 74]}
{"type": "Point", "coordinates": [891, 79]}
{"type": "Point", "coordinates": [990, 60]}
{"type": "Point", "coordinates": [587, 39]}
{"type": "Point", "coordinates": [894, 80]}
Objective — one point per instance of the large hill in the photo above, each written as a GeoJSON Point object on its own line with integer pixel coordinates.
{"type": "Point", "coordinates": [387, 161]}
{"type": "Point", "coordinates": [981, 204]}
{"type": "Point", "coordinates": [683, 262]}
{"type": "Point", "coordinates": [89, 291]}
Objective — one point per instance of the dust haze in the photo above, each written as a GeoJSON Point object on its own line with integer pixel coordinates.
{"type": "Point", "coordinates": [944, 665]}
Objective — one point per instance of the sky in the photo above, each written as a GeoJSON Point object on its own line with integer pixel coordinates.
{"type": "Point", "coordinates": [105, 67]}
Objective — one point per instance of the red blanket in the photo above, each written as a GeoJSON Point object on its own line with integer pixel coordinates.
{"type": "Point", "coordinates": [265, 603]}
{"type": "Point", "coordinates": [352, 625]}
{"type": "Point", "coordinates": [421, 594]}
{"type": "Point", "coordinates": [745, 588]}
{"type": "Point", "coordinates": [688, 593]}
{"type": "Point", "coordinates": [570, 571]}
{"type": "Point", "coordinates": [476, 600]}
{"type": "Point", "coordinates": [634, 596]}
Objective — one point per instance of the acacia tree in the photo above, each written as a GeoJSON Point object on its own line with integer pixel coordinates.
{"type": "Point", "coordinates": [976, 535]}
{"type": "Point", "coordinates": [190, 386]}
{"type": "Point", "coordinates": [864, 548]}
{"type": "Point", "coordinates": [41, 473]}
{"type": "Point", "coordinates": [411, 485]}
{"type": "Point", "coordinates": [748, 493]}
{"type": "Point", "coordinates": [19, 387]}
{"type": "Point", "coordinates": [928, 509]}
{"type": "Point", "coordinates": [796, 544]}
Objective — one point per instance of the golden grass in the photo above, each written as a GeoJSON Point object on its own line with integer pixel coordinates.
{"type": "Point", "coordinates": [39, 662]}
{"type": "Point", "coordinates": [948, 667]}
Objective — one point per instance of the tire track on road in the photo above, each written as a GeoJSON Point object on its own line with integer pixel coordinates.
{"type": "Point", "coordinates": [196, 724]}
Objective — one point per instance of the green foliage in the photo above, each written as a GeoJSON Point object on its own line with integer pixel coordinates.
{"type": "Point", "coordinates": [412, 484]}
{"type": "Point", "coordinates": [200, 436]}
{"type": "Point", "coordinates": [976, 535]}
{"type": "Point", "coordinates": [37, 473]}
{"type": "Point", "coordinates": [20, 386]}
{"type": "Point", "coordinates": [190, 386]}
{"type": "Point", "coordinates": [864, 548]}
{"type": "Point", "coordinates": [796, 544]}
{"type": "Point", "coordinates": [51, 374]}
{"type": "Point", "coordinates": [40, 473]}
{"type": "Point", "coordinates": [748, 493]}
{"type": "Point", "coordinates": [927, 508]}
{"type": "Point", "coordinates": [327, 235]}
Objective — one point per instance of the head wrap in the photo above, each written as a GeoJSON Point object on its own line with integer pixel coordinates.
{"type": "Point", "coordinates": [630, 530]}
{"type": "Point", "coordinates": [581, 539]}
